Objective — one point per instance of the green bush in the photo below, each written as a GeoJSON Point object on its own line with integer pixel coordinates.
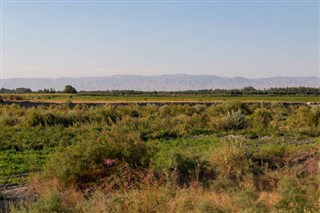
{"type": "Point", "coordinates": [226, 161]}
{"type": "Point", "coordinates": [192, 169]}
{"type": "Point", "coordinates": [233, 120]}
{"type": "Point", "coordinates": [75, 164]}
{"type": "Point", "coordinates": [235, 106]}
{"type": "Point", "coordinates": [166, 155]}
{"type": "Point", "coordinates": [261, 119]}
{"type": "Point", "coordinates": [48, 119]}
{"type": "Point", "coordinates": [85, 161]}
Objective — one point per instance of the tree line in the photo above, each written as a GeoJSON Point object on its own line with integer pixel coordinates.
{"type": "Point", "coordinates": [22, 90]}
{"type": "Point", "coordinates": [233, 92]}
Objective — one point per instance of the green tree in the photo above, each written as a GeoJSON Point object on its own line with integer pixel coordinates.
{"type": "Point", "coordinates": [23, 90]}
{"type": "Point", "coordinates": [69, 89]}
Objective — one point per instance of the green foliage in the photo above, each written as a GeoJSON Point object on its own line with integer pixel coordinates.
{"type": "Point", "coordinates": [15, 165]}
{"type": "Point", "coordinates": [261, 119]}
{"type": "Point", "coordinates": [181, 153]}
{"type": "Point", "coordinates": [230, 106]}
{"type": "Point", "coordinates": [268, 151]}
{"type": "Point", "coordinates": [51, 90]}
{"type": "Point", "coordinates": [75, 163]}
{"type": "Point", "coordinates": [69, 89]}
{"type": "Point", "coordinates": [48, 119]}
{"type": "Point", "coordinates": [233, 120]}
{"type": "Point", "coordinates": [37, 138]}
{"type": "Point", "coordinates": [301, 118]}
{"type": "Point", "coordinates": [155, 122]}
{"type": "Point", "coordinates": [225, 160]}
{"type": "Point", "coordinates": [80, 162]}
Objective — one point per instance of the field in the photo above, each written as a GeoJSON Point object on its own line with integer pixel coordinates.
{"type": "Point", "coordinates": [98, 98]}
{"type": "Point", "coordinates": [226, 157]}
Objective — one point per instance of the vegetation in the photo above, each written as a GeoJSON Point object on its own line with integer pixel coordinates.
{"type": "Point", "coordinates": [96, 99]}
{"type": "Point", "coordinates": [226, 157]}
{"type": "Point", "coordinates": [17, 90]}
{"type": "Point", "coordinates": [51, 90]}
{"type": "Point", "coordinates": [247, 94]}
{"type": "Point", "coordinates": [69, 89]}
{"type": "Point", "coordinates": [244, 91]}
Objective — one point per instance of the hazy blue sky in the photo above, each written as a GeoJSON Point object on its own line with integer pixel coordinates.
{"type": "Point", "coordinates": [55, 39]}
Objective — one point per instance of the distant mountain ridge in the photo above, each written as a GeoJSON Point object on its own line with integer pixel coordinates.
{"type": "Point", "coordinates": [177, 82]}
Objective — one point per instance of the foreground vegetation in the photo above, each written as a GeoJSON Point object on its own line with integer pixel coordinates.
{"type": "Point", "coordinates": [229, 157]}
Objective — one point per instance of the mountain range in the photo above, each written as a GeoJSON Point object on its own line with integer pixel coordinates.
{"type": "Point", "coordinates": [175, 82]}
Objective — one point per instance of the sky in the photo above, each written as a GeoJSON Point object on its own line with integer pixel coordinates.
{"type": "Point", "coordinates": [226, 38]}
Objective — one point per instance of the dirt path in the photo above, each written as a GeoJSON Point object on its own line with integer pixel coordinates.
{"type": "Point", "coordinates": [12, 194]}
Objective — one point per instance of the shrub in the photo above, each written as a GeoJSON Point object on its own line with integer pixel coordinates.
{"type": "Point", "coordinates": [302, 118]}
{"type": "Point", "coordinates": [233, 120]}
{"type": "Point", "coordinates": [191, 169]}
{"type": "Point", "coordinates": [185, 155]}
{"type": "Point", "coordinates": [196, 123]}
{"type": "Point", "coordinates": [85, 161]}
{"type": "Point", "coordinates": [261, 119]}
{"type": "Point", "coordinates": [230, 106]}
{"type": "Point", "coordinates": [226, 161]}
{"type": "Point", "coordinates": [76, 164]}
{"type": "Point", "coordinates": [48, 119]}
{"type": "Point", "coordinates": [316, 116]}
